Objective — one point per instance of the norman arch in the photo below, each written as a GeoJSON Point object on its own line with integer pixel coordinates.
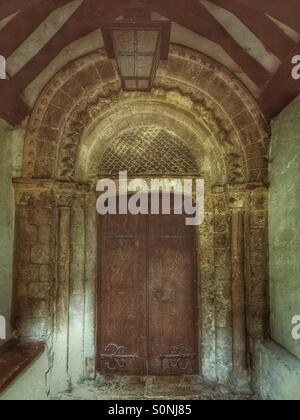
{"type": "Point", "coordinates": [81, 115]}
{"type": "Point", "coordinates": [89, 89]}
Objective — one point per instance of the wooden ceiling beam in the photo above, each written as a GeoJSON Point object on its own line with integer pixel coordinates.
{"type": "Point", "coordinates": [24, 24]}
{"type": "Point", "coordinates": [86, 19]}
{"type": "Point", "coordinates": [194, 16]}
{"type": "Point", "coordinates": [9, 7]}
{"type": "Point", "coordinates": [287, 12]}
{"type": "Point", "coordinates": [282, 89]}
{"type": "Point", "coordinates": [12, 107]}
{"type": "Point", "coordinates": [274, 39]}
{"type": "Point", "coordinates": [198, 20]}
{"type": "Point", "coordinates": [278, 91]}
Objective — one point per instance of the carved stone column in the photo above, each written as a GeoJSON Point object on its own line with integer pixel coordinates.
{"type": "Point", "coordinates": [239, 324]}
{"type": "Point", "coordinates": [222, 287]}
{"type": "Point", "coordinates": [258, 316]}
{"type": "Point", "coordinates": [207, 313]}
{"type": "Point", "coordinates": [68, 342]}
{"type": "Point", "coordinates": [90, 285]}
{"type": "Point", "coordinates": [60, 380]}
{"type": "Point", "coordinates": [77, 298]}
{"type": "Point", "coordinates": [238, 293]}
{"type": "Point", "coordinates": [63, 269]}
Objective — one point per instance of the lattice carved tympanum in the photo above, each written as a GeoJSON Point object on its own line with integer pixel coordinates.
{"type": "Point", "coordinates": [148, 150]}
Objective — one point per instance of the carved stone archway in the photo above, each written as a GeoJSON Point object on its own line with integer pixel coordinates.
{"type": "Point", "coordinates": [86, 89]}
{"type": "Point", "coordinates": [76, 119]}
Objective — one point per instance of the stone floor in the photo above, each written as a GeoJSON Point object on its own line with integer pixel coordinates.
{"type": "Point", "coordinates": [150, 388]}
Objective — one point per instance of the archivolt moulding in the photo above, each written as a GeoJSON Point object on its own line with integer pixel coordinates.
{"type": "Point", "coordinates": [191, 83]}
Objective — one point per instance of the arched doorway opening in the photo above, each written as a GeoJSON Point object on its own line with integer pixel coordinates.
{"type": "Point", "coordinates": [219, 125]}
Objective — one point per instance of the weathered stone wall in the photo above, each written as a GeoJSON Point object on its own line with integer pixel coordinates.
{"type": "Point", "coordinates": [279, 373]}
{"type": "Point", "coordinates": [50, 277]}
{"type": "Point", "coordinates": [10, 166]}
{"type": "Point", "coordinates": [223, 292]}
{"type": "Point", "coordinates": [55, 277]}
{"type": "Point", "coordinates": [34, 259]}
{"type": "Point", "coordinates": [278, 365]}
{"type": "Point", "coordinates": [285, 226]}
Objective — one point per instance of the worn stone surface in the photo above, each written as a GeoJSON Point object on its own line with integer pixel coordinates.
{"type": "Point", "coordinates": [223, 301]}
{"type": "Point", "coordinates": [10, 164]}
{"type": "Point", "coordinates": [187, 91]}
{"type": "Point", "coordinates": [33, 254]}
{"type": "Point", "coordinates": [285, 226]}
{"type": "Point", "coordinates": [150, 388]}
{"type": "Point", "coordinates": [56, 220]}
{"type": "Point", "coordinates": [279, 373]}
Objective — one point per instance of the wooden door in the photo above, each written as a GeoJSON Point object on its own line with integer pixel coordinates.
{"type": "Point", "coordinates": [172, 296]}
{"type": "Point", "coordinates": [147, 306]}
{"type": "Point", "coordinates": [122, 295]}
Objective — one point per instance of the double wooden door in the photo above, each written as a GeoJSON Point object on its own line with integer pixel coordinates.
{"type": "Point", "coordinates": [147, 305]}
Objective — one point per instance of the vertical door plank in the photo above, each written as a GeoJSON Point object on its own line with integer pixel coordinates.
{"type": "Point", "coordinates": [172, 297]}
{"type": "Point", "coordinates": [122, 295]}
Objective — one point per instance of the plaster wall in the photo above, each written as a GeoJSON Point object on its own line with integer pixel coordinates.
{"type": "Point", "coordinates": [279, 373]}
{"type": "Point", "coordinates": [279, 360]}
{"type": "Point", "coordinates": [10, 166]}
{"type": "Point", "coordinates": [285, 226]}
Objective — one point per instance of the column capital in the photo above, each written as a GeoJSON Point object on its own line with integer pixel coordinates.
{"type": "Point", "coordinates": [237, 196]}
{"type": "Point", "coordinates": [65, 199]}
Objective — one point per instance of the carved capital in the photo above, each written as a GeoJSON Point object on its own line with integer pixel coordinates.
{"type": "Point", "coordinates": [237, 197]}
{"type": "Point", "coordinates": [65, 199]}
{"type": "Point", "coordinates": [35, 193]}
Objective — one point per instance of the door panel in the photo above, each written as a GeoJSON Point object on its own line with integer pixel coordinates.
{"type": "Point", "coordinates": [172, 288]}
{"type": "Point", "coordinates": [122, 341]}
{"type": "Point", "coordinates": [147, 307]}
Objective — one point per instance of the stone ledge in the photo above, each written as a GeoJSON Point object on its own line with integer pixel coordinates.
{"type": "Point", "coordinates": [279, 372]}
{"type": "Point", "coordinates": [15, 357]}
